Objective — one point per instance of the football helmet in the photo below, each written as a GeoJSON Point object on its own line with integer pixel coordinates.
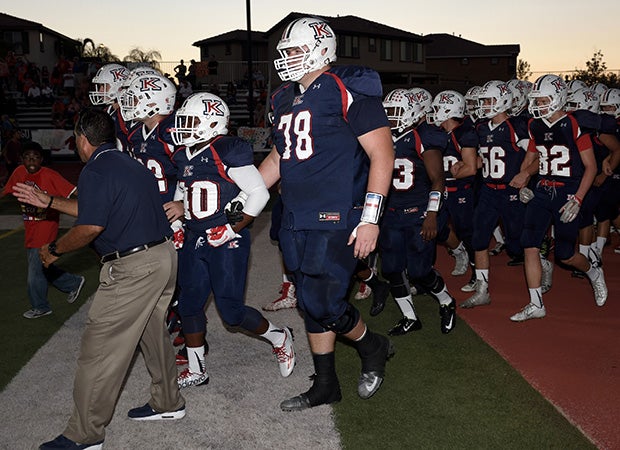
{"type": "Point", "coordinates": [584, 98]}
{"type": "Point", "coordinates": [552, 87]}
{"type": "Point", "coordinates": [316, 44]}
{"type": "Point", "coordinates": [610, 102]}
{"type": "Point", "coordinates": [471, 102]}
{"type": "Point", "coordinates": [574, 85]}
{"type": "Point", "coordinates": [495, 97]}
{"type": "Point", "coordinates": [519, 89]}
{"type": "Point", "coordinates": [146, 96]}
{"type": "Point", "coordinates": [599, 88]}
{"type": "Point", "coordinates": [202, 117]}
{"type": "Point", "coordinates": [423, 98]}
{"type": "Point", "coordinates": [106, 84]}
{"type": "Point", "coordinates": [400, 109]}
{"type": "Point", "coordinates": [447, 105]}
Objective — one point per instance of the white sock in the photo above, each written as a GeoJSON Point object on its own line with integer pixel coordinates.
{"type": "Point", "coordinates": [583, 249]}
{"type": "Point", "coordinates": [482, 274]}
{"type": "Point", "coordinates": [443, 297]}
{"type": "Point", "coordinates": [536, 296]}
{"type": "Point", "coordinates": [285, 278]}
{"type": "Point", "coordinates": [497, 234]}
{"type": "Point", "coordinates": [406, 306]}
{"type": "Point", "coordinates": [196, 359]}
{"type": "Point", "coordinates": [459, 248]}
{"type": "Point", "coordinates": [600, 244]}
{"type": "Point", "coordinates": [274, 335]}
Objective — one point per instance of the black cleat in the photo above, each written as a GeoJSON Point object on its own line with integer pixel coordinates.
{"type": "Point", "coordinates": [516, 261]}
{"type": "Point", "coordinates": [373, 369]}
{"type": "Point", "coordinates": [404, 326]}
{"type": "Point", "coordinates": [322, 392]}
{"type": "Point", "coordinates": [379, 297]}
{"type": "Point", "coordinates": [448, 316]}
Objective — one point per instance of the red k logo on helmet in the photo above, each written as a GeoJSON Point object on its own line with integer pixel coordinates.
{"type": "Point", "coordinates": [446, 97]}
{"type": "Point", "coordinates": [118, 74]}
{"type": "Point", "coordinates": [213, 107]}
{"type": "Point", "coordinates": [558, 84]}
{"type": "Point", "coordinates": [321, 30]}
{"type": "Point", "coordinates": [150, 84]}
{"type": "Point", "coordinates": [503, 89]}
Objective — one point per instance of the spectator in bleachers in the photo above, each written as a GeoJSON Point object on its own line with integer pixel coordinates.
{"type": "Point", "coordinates": [34, 94]}
{"type": "Point", "coordinates": [47, 95]}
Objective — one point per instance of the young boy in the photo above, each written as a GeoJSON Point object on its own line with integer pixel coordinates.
{"type": "Point", "coordinates": [41, 227]}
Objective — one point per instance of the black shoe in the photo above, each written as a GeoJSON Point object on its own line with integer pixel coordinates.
{"type": "Point", "coordinates": [63, 442]}
{"type": "Point", "coordinates": [404, 326]}
{"type": "Point", "coordinates": [373, 369]}
{"type": "Point", "coordinates": [448, 316]}
{"type": "Point", "coordinates": [516, 261]}
{"type": "Point", "coordinates": [379, 297]}
{"type": "Point", "coordinates": [322, 392]}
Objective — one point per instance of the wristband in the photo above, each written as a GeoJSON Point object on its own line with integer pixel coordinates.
{"type": "Point", "coordinates": [49, 205]}
{"type": "Point", "coordinates": [434, 201]}
{"type": "Point", "coordinates": [52, 249]}
{"type": "Point", "coordinates": [373, 208]}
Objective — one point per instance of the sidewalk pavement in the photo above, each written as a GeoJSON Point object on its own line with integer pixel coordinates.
{"type": "Point", "coordinates": [11, 222]}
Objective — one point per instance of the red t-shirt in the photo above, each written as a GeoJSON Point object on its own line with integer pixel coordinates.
{"type": "Point", "coordinates": [41, 224]}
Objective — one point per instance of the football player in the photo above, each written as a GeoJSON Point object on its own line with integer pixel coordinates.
{"type": "Point", "coordinates": [333, 153]}
{"type": "Point", "coordinates": [561, 154]}
{"type": "Point", "coordinates": [503, 140]}
{"type": "Point", "coordinates": [413, 214]}
{"type": "Point", "coordinates": [213, 169]}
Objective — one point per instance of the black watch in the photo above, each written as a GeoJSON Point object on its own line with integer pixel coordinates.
{"type": "Point", "coordinates": [52, 249]}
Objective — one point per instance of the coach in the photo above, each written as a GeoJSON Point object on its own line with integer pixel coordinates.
{"type": "Point", "coordinates": [119, 210]}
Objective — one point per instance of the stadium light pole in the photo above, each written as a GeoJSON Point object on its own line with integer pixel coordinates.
{"type": "Point", "coordinates": [250, 70]}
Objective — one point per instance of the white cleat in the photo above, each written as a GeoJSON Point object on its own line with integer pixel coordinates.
{"type": "Point", "coordinates": [363, 292]}
{"type": "Point", "coordinates": [481, 296]}
{"type": "Point", "coordinates": [285, 354]}
{"type": "Point", "coordinates": [462, 263]}
{"type": "Point", "coordinates": [287, 298]}
{"type": "Point", "coordinates": [531, 311]}
{"type": "Point", "coordinates": [600, 288]}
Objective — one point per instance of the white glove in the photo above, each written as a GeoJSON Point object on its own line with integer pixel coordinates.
{"type": "Point", "coordinates": [178, 235]}
{"type": "Point", "coordinates": [570, 209]}
{"type": "Point", "coordinates": [525, 194]}
{"type": "Point", "coordinates": [217, 236]}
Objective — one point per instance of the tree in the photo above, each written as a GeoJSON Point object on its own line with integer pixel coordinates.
{"type": "Point", "coordinates": [151, 57]}
{"type": "Point", "coordinates": [100, 52]}
{"type": "Point", "coordinates": [523, 70]}
{"type": "Point", "coordinates": [596, 72]}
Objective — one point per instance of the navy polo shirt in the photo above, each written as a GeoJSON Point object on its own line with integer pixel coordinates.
{"type": "Point", "coordinates": [119, 194]}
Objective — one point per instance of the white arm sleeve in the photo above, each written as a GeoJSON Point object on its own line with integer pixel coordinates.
{"type": "Point", "coordinates": [250, 181]}
{"type": "Point", "coordinates": [179, 191]}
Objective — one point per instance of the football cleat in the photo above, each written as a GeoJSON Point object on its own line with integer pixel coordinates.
{"type": "Point", "coordinates": [322, 392]}
{"type": "Point", "coordinates": [287, 298]}
{"type": "Point", "coordinates": [530, 311]}
{"type": "Point", "coordinates": [379, 297]}
{"type": "Point", "coordinates": [499, 247]}
{"type": "Point", "coordinates": [547, 275]}
{"type": "Point", "coordinates": [363, 291]}
{"type": "Point", "coordinates": [600, 288]}
{"type": "Point", "coordinates": [461, 263]}
{"type": "Point", "coordinates": [373, 369]}
{"type": "Point", "coordinates": [404, 326]}
{"type": "Point", "coordinates": [471, 286]}
{"type": "Point", "coordinates": [480, 297]}
{"type": "Point", "coordinates": [285, 354]}
{"type": "Point", "coordinates": [518, 260]}
{"type": "Point", "coordinates": [181, 357]}
{"type": "Point", "coordinates": [187, 379]}
{"type": "Point", "coordinates": [448, 316]}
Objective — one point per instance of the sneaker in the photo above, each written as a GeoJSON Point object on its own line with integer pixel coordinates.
{"type": "Point", "coordinates": [480, 297]}
{"type": "Point", "coordinates": [499, 247]}
{"type": "Point", "coordinates": [285, 354]}
{"type": "Point", "coordinates": [36, 313]}
{"type": "Point", "coordinates": [470, 287]}
{"type": "Point", "coordinates": [448, 316]}
{"type": "Point", "coordinates": [63, 442]}
{"type": "Point", "coordinates": [73, 295]}
{"type": "Point", "coordinates": [404, 326]}
{"type": "Point", "coordinates": [373, 370]}
{"type": "Point", "coordinates": [363, 291]}
{"type": "Point", "coordinates": [600, 288]}
{"type": "Point", "coordinates": [461, 263]}
{"type": "Point", "coordinates": [518, 260]}
{"type": "Point", "coordinates": [287, 298]}
{"type": "Point", "coordinates": [147, 413]}
{"type": "Point", "coordinates": [181, 357]}
{"type": "Point", "coordinates": [531, 311]}
{"type": "Point", "coordinates": [379, 298]}
{"type": "Point", "coordinates": [187, 379]}
{"type": "Point", "coordinates": [547, 275]}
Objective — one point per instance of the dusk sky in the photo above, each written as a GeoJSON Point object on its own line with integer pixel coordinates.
{"type": "Point", "coordinates": [554, 35]}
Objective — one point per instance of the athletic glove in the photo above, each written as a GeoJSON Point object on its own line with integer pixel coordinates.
{"type": "Point", "coordinates": [178, 235]}
{"type": "Point", "coordinates": [217, 236]}
{"type": "Point", "coordinates": [526, 194]}
{"type": "Point", "coordinates": [234, 208]}
{"type": "Point", "coordinates": [570, 209]}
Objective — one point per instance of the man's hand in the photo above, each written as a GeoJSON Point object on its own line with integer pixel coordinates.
{"type": "Point", "coordinates": [46, 257]}
{"type": "Point", "coordinates": [31, 195]}
{"type": "Point", "coordinates": [234, 208]}
{"type": "Point", "coordinates": [365, 237]}
{"type": "Point", "coordinates": [173, 210]}
{"type": "Point", "coordinates": [429, 226]}
{"type": "Point", "coordinates": [217, 236]}
{"type": "Point", "coordinates": [520, 180]}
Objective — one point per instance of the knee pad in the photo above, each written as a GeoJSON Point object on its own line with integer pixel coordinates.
{"type": "Point", "coordinates": [346, 322]}
{"type": "Point", "coordinates": [431, 282]}
{"type": "Point", "coordinates": [399, 285]}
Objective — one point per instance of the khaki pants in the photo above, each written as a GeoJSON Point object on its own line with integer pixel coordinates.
{"type": "Point", "coordinates": [129, 308]}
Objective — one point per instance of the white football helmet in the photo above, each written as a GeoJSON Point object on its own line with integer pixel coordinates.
{"type": "Point", "coordinates": [146, 96]}
{"type": "Point", "coordinates": [599, 88]}
{"type": "Point", "coordinates": [106, 83]}
{"type": "Point", "coordinates": [520, 89]}
{"type": "Point", "coordinates": [447, 105]}
{"type": "Point", "coordinates": [202, 117]}
{"type": "Point", "coordinates": [584, 98]}
{"type": "Point", "coordinates": [610, 102]}
{"type": "Point", "coordinates": [400, 109]}
{"type": "Point", "coordinates": [494, 98]}
{"type": "Point", "coordinates": [574, 85]}
{"type": "Point", "coordinates": [471, 102]}
{"type": "Point", "coordinates": [551, 86]}
{"type": "Point", "coordinates": [423, 98]}
{"type": "Point", "coordinates": [317, 42]}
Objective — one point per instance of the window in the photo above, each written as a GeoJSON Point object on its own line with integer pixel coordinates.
{"type": "Point", "coordinates": [386, 49]}
{"type": "Point", "coordinates": [372, 45]}
{"type": "Point", "coordinates": [41, 43]}
{"type": "Point", "coordinates": [464, 61]}
{"type": "Point", "coordinates": [18, 41]}
{"type": "Point", "coordinates": [406, 51]}
{"type": "Point", "coordinates": [348, 46]}
{"type": "Point", "coordinates": [418, 53]}
{"type": "Point", "coordinates": [228, 50]}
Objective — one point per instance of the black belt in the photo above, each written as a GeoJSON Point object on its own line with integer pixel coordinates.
{"type": "Point", "coordinates": [116, 255]}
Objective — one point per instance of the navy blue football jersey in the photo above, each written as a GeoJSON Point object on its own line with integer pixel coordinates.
{"type": "Point", "coordinates": [323, 168]}
{"type": "Point", "coordinates": [501, 156]}
{"type": "Point", "coordinates": [463, 135]}
{"type": "Point", "coordinates": [205, 181]}
{"type": "Point", "coordinates": [558, 145]}
{"type": "Point", "coordinates": [154, 149]}
{"type": "Point", "coordinates": [593, 124]}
